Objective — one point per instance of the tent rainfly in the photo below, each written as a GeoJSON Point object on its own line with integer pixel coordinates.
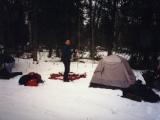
{"type": "Point", "coordinates": [113, 72]}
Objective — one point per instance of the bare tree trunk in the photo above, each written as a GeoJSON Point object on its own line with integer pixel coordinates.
{"type": "Point", "coordinates": [34, 30]}
{"type": "Point", "coordinates": [92, 46]}
{"type": "Point", "coordinates": [50, 52]}
{"type": "Point", "coordinates": [113, 32]}
{"type": "Point", "coordinates": [79, 31]}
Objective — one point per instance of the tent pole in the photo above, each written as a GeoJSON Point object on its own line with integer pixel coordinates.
{"type": "Point", "coordinates": [79, 38]}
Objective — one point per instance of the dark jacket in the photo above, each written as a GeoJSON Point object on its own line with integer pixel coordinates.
{"type": "Point", "coordinates": [66, 53]}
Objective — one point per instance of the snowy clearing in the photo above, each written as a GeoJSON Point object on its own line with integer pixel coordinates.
{"type": "Point", "coordinates": [56, 100]}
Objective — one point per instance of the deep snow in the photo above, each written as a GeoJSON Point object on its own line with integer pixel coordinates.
{"type": "Point", "coordinates": [56, 100]}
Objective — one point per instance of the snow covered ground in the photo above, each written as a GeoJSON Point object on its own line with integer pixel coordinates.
{"type": "Point", "coordinates": [56, 100]}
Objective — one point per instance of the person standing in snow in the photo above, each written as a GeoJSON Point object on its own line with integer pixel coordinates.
{"type": "Point", "coordinates": [66, 57]}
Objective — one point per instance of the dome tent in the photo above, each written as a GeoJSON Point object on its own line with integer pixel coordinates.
{"type": "Point", "coordinates": [113, 72]}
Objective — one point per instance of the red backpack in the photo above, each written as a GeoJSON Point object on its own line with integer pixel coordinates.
{"type": "Point", "coordinates": [32, 82]}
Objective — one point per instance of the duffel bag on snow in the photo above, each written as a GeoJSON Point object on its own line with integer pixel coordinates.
{"type": "Point", "coordinates": [31, 79]}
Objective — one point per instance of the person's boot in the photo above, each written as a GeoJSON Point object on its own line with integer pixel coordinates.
{"type": "Point", "coordinates": [65, 80]}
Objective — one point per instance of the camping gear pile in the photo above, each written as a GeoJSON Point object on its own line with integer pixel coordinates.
{"type": "Point", "coordinates": [6, 64]}
{"type": "Point", "coordinates": [4, 74]}
{"type": "Point", "coordinates": [31, 79]}
{"type": "Point", "coordinates": [114, 72]}
{"type": "Point", "coordinates": [140, 92]}
{"type": "Point", "coordinates": [152, 79]}
{"type": "Point", "coordinates": [72, 76]}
